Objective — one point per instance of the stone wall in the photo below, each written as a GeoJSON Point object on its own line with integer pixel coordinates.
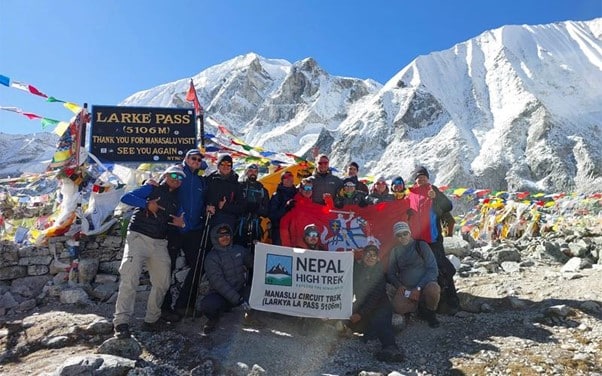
{"type": "Point", "coordinates": [21, 261]}
{"type": "Point", "coordinates": [31, 275]}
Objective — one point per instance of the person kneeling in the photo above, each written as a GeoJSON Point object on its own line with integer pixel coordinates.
{"type": "Point", "coordinates": [413, 272]}
{"type": "Point", "coordinates": [227, 267]}
{"type": "Point", "coordinates": [372, 311]}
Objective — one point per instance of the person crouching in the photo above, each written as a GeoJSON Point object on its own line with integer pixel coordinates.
{"type": "Point", "coordinates": [227, 268]}
{"type": "Point", "coordinates": [372, 311]}
{"type": "Point", "coordinates": [413, 272]}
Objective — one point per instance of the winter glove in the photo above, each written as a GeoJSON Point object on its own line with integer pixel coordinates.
{"type": "Point", "coordinates": [289, 204]}
{"type": "Point", "coordinates": [244, 304]}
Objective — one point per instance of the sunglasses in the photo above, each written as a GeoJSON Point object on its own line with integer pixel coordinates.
{"type": "Point", "coordinates": [312, 234]}
{"type": "Point", "coordinates": [225, 164]}
{"type": "Point", "coordinates": [323, 163]}
{"type": "Point", "coordinates": [196, 159]}
{"type": "Point", "coordinates": [398, 182]}
{"type": "Point", "coordinates": [223, 235]}
{"type": "Point", "coordinates": [403, 234]}
{"type": "Point", "coordinates": [307, 188]}
{"type": "Point", "coordinates": [176, 176]}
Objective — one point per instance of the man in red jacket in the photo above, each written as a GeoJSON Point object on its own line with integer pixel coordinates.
{"type": "Point", "coordinates": [427, 206]}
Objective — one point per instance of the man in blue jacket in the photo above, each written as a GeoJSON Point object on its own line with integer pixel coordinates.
{"type": "Point", "coordinates": [156, 208]}
{"type": "Point", "coordinates": [413, 272]}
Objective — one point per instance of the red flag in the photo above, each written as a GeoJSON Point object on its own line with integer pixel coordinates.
{"type": "Point", "coordinates": [192, 97]}
{"type": "Point", "coordinates": [344, 229]}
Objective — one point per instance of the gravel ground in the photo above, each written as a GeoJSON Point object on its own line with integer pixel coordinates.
{"type": "Point", "coordinates": [514, 332]}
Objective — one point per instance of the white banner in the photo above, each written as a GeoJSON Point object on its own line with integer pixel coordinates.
{"type": "Point", "coordinates": [301, 282]}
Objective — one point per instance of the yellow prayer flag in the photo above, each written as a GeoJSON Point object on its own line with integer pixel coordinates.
{"type": "Point", "coordinates": [72, 107]}
{"type": "Point", "coordinates": [60, 128]}
{"type": "Point", "coordinates": [459, 191]}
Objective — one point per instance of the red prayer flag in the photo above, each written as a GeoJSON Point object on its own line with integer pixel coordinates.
{"type": "Point", "coordinates": [192, 97]}
{"type": "Point", "coordinates": [35, 91]}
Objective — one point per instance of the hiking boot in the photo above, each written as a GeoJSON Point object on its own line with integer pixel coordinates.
{"type": "Point", "coordinates": [343, 331]}
{"type": "Point", "coordinates": [250, 319]}
{"type": "Point", "coordinates": [170, 316]}
{"type": "Point", "coordinates": [390, 353]}
{"type": "Point", "coordinates": [210, 326]}
{"type": "Point", "coordinates": [447, 308]}
{"type": "Point", "coordinates": [122, 331]}
{"type": "Point", "coordinates": [190, 312]}
{"type": "Point", "coordinates": [431, 318]}
{"type": "Point", "coordinates": [152, 326]}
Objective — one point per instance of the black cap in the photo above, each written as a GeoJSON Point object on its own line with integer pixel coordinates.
{"type": "Point", "coordinates": [371, 247]}
{"type": "Point", "coordinates": [224, 229]}
{"type": "Point", "coordinates": [224, 158]}
{"type": "Point", "coordinates": [420, 170]}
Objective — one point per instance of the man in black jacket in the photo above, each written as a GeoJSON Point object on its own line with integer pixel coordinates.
{"type": "Point", "coordinates": [352, 169]}
{"type": "Point", "coordinates": [256, 200]}
{"type": "Point", "coordinates": [326, 185]}
{"type": "Point", "coordinates": [372, 311]}
{"type": "Point", "coordinates": [224, 195]}
{"type": "Point", "coordinates": [226, 267]}
{"type": "Point", "coordinates": [281, 202]}
{"type": "Point", "coordinates": [156, 207]}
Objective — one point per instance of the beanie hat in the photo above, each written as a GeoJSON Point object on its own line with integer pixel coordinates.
{"type": "Point", "coordinates": [400, 227]}
{"type": "Point", "coordinates": [194, 152]}
{"type": "Point", "coordinates": [309, 228]}
{"type": "Point", "coordinates": [381, 179]}
{"type": "Point", "coordinates": [349, 181]}
{"type": "Point", "coordinates": [174, 170]}
{"type": "Point", "coordinates": [224, 158]}
{"type": "Point", "coordinates": [420, 170]}
{"type": "Point", "coordinates": [252, 166]}
{"type": "Point", "coordinates": [398, 180]}
{"type": "Point", "coordinates": [370, 247]}
{"type": "Point", "coordinates": [354, 165]}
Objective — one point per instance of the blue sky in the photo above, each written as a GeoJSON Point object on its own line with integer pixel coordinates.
{"type": "Point", "coordinates": [100, 52]}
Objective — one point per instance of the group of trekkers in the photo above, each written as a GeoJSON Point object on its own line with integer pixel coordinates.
{"type": "Point", "coordinates": [215, 221]}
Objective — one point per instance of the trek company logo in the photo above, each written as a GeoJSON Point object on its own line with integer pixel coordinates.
{"type": "Point", "coordinates": [278, 270]}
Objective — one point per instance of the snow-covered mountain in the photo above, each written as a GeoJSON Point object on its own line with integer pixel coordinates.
{"type": "Point", "coordinates": [29, 153]}
{"type": "Point", "coordinates": [519, 107]}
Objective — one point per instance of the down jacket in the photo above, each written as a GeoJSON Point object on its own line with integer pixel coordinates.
{"type": "Point", "coordinates": [227, 267]}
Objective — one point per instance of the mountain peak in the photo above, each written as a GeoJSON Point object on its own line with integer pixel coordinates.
{"type": "Point", "coordinates": [517, 107]}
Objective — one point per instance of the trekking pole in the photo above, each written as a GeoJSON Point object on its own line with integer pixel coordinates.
{"type": "Point", "coordinates": [198, 271]}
